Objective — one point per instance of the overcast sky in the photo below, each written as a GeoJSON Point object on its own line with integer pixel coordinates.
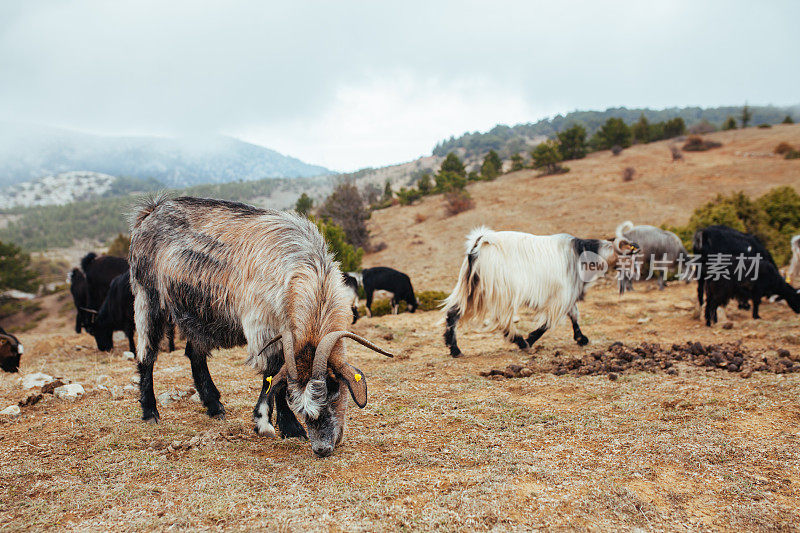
{"type": "Point", "coordinates": [352, 84]}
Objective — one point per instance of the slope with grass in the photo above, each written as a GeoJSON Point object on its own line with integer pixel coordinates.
{"type": "Point", "coordinates": [439, 447]}
{"type": "Point", "coordinates": [589, 201]}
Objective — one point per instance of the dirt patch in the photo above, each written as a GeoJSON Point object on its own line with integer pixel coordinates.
{"type": "Point", "coordinates": [652, 357]}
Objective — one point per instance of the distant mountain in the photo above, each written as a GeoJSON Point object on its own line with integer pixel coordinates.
{"type": "Point", "coordinates": [59, 189]}
{"type": "Point", "coordinates": [519, 138]}
{"type": "Point", "coordinates": [30, 152]}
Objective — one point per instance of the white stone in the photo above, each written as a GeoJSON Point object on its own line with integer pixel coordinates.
{"type": "Point", "coordinates": [195, 398]}
{"type": "Point", "coordinates": [36, 379]}
{"type": "Point", "coordinates": [130, 388]}
{"type": "Point", "coordinates": [70, 392]}
{"type": "Point", "coordinates": [165, 398]}
{"type": "Point", "coordinates": [11, 410]}
{"type": "Point", "coordinates": [128, 355]}
{"type": "Point", "coordinates": [135, 378]}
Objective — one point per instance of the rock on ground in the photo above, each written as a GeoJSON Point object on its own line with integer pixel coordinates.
{"type": "Point", "coordinates": [70, 392]}
{"type": "Point", "coordinates": [11, 410]}
{"type": "Point", "coordinates": [37, 379]}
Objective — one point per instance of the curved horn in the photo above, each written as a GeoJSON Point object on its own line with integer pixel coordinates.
{"type": "Point", "coordinates": [329, 341]}
{"type": "Point", "coordinates": [617, 242]}
{"type": "Point", "coordinates": [288, 351]}
{"type": "Point", "coordinates": [86, 309]}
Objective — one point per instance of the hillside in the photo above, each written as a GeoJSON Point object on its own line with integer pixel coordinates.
{"type": "Point", "coordinates": [439, 446]}
{"type": "Point", "coordinates": [30, 152]}
{"type": "Point", "coordinates": [589, 201]}
{"type": "Point", "coordinates": [521, 137]}
{"type": "Point", "coordinates": [59, 189]}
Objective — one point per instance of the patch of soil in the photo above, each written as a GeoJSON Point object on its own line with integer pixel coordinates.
{"type": "Point", "coordinates": [652, 357]}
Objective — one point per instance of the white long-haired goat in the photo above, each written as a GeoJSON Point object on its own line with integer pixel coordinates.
{"type": "Point", "coordinates": [506, 270]}
{"type": "Point", "coordinates": [793, 274]}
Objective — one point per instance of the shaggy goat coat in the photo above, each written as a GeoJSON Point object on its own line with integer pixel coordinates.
{"type": "Point", "coordinates": [793, 275]}
{"type": "Point", "coordinates": [226, 287]}
{"type": "Point", "coordinates": [506, 270]}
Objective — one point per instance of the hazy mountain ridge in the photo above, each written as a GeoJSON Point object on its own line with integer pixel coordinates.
{"type": "Point", "coordinates": [31, 152]}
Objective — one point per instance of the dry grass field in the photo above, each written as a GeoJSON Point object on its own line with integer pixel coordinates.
{"type": "Point", "coordinates": [439, 447]}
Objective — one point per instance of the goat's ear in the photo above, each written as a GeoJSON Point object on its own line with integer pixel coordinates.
{"type": "Point", "coordinates": [356, 382]}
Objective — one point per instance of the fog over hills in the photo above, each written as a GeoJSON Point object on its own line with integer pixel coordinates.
{"type": "Point", "coordinates": [30, 152]}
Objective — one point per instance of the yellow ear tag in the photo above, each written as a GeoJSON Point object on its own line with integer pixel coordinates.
{"type": "Point", "coordinates": [358, 377]}
{"type": "Point", "coordinates": [269, 380]}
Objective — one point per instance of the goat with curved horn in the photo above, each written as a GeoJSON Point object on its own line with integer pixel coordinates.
{"type": "Point", "coordinates": [269, 276]}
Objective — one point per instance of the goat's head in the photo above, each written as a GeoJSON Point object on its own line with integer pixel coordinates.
{"type": "Point", "coordinates": [622, 247]}
{"type": "Point", "coordinates": [10, 352]}
{"type": "Point", "coordinates": [321, 402]}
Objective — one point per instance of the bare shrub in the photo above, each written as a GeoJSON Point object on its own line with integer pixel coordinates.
{"type": "Point", "coordinates": [695, 143]}
{"type": "Point", "coordinates": [616, 149]}
{"type": "Point", "coordinates": [381, 246]}
{"type": "Point", "coordinates": [628, 174]}
{"type": "Point", "coordinates": [456, 202]}
{"type": "Point", "coordinates": [701, 127]}
{"type": "Point", "coordinates": [783, 148]}
{"type": "Point", "coordinates": [419, 218]}
{"type": "Point", "coordinates": [676, 153]}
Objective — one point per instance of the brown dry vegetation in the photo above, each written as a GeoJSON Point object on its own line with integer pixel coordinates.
{"type": "Point", "coordinates": [439, 447]}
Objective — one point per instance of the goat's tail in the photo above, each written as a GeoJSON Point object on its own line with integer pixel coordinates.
{"type": "Point", "coordinates": [145, 207]}
{"type": "Point", "coordinates": [465, 300]}
{"type": "Point", "coordinates": [796, 244]}
{"type": "Point", "coordinates": [623, 228]}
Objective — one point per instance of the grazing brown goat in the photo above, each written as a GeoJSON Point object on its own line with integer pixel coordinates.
{"type": "Point", "coordinates": [231, 274]}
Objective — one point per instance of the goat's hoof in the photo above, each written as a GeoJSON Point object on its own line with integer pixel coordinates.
{"type": "Point", "coordinates": [455, 354]}
{"type": "Point", "coordinates": [583, 340]}
{"type": "Point", "coordinates": [264, 428]}
{"type": "Point", "coordinates": [216, 412]}
{"type": "Point", "coordinates": [151, 419]}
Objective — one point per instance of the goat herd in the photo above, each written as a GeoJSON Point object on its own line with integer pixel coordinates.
{"type": "Point", "coordinates": [229, 274]}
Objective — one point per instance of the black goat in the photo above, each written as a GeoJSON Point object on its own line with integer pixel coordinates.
{"type": "Point", "coordinates": [351, 285]}
{"type": "Point", "coordinates": [116, 314]}
{"type": "Point", "coordinates": [10, 351]}
{"type": "Point", "coordinates": [392, 281]}
{"type": "Point", "coordinates": [80, 295]}
{"type": "Point", "coordinates": [750, 278]}
{"type": "Point", "coordinates": [100, 272]}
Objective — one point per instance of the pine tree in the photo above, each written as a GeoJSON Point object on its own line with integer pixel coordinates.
{"type": "Point", "coordinates": [15, 271]}
{"type": "Point", "coordinates": [746, 115]}
{"type": "Point", "coordinates": [492, 166]}
{"type": "Point", "coordinates": [304, 204]}
{"type": "Point", "coordinates": [572, 142]}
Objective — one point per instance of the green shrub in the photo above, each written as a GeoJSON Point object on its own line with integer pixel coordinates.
{"type": "Point", "coordinates": [349, 256]}
{"type": "Point", "coordinates": [408, 196]}
{"type": "Point", "coordinates": [546, 157]}
{"type": "Point", "coordinates": [792, 154]}
{"type": "Point", "coordinates": [729, 124]}
{"type": "Point", "coordinates": [572, 142]}
{"type": "Point", "coordinates": [428, 301]}
{"type": "Point", "coordinates": [764, 126]}
{"type": "Point", "coordinates": [788, 120]}
{"type": "Point", "coordinates": [517, 162]}
{"type": "Point", "coordinates": [613, 132]}
{"type": "Point", "coordinates": [492, 166]}
{"type": "Point", "coordinates": [773, 218]}
{"type": "Point", "coordinates": [15, 269]}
